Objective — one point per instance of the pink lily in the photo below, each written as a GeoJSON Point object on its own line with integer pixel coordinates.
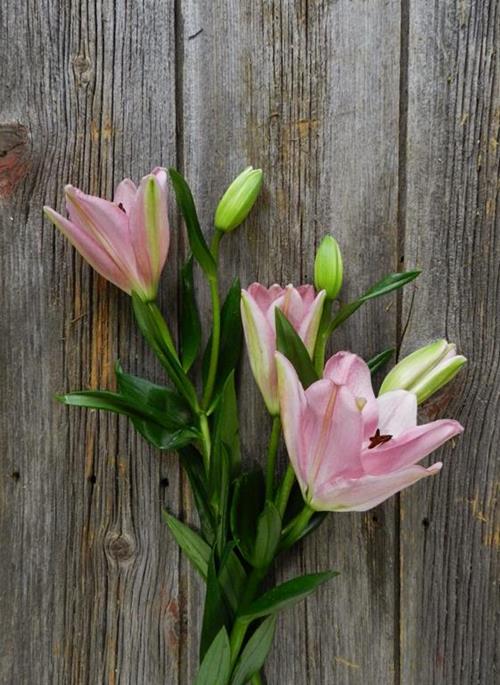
{"type": "Point", "coordinates": [349, 450]}
{"type": "Point", "coordinates": [301, 306]}
{"type": "Point", "coordinates": [126, 240]}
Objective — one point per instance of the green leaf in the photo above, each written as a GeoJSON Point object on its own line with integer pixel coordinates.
{"type": "Point", "coordinates": [289, 343]}
{"type": "Point", "coordinates": [161, 403]}
{"type": "Point", "coordinates": [215, 668]}
{"type": "Point", "coordinates": [379, 360]}
{"type": "Point", "coordinates": [255, 652]}
{"type": "Point", "coordinates": [190, 333]}
{"type": "Point", "coordinates": [267, 537]}
{"type": "Point", "coordinates": [285, 595]}
{"type": "Point", "coordinates": [193, 546]}
{"type": "Point", "coordinates": [216, 614]}
{"type": "Point", "coordinates": [231, 340]}
{"type": "Point", "coordinates": [226, 424]}
{"type": "Point", "coordinates": [197, 241]}
{"type": "Point", "coordinates": [232, 578]}
{"type": "Point", "coordinates": [154, 329]}
{"type": "Point", "coordinates": [192, 464]}
{"type": "Point", "coordinates": [146, 421]}
{"type": "Point", "coordinates": [386, 285]}
{"type": "Point", "coordinates": [247, 505]}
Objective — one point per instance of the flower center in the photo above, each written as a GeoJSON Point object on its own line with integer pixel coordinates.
{"type": "Point", "coordinates": [378, 439]}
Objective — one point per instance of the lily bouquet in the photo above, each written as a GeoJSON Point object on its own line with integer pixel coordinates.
{"type": "Point", "coordinates": [349, 449]}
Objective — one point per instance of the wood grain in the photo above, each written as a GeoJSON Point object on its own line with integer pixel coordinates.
{"type": "Point", "coordinates": [450, 530]}
{"type": "Point", "coordinates": [375, 120]}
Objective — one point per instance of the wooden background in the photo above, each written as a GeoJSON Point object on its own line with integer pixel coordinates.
{"type": "Point", "coordinates": [377, 120]}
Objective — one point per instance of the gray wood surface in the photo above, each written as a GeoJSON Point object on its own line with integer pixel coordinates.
{"type": "Point", "coordinates": [377, 120]}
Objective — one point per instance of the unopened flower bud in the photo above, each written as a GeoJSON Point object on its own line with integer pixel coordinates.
{"type": "Point", "coordinates": [328, 268]}
{"type": "Point", "coordinates": [238, 199]}
{"type": "Point", "coordinates": [425, 371]}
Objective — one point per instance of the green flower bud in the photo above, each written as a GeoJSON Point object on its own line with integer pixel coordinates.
{"type": "Point", "coordinates": [425, 371]}
{"type": "Point", "coordinates": [238, 199]}
{"type": "Point", "coordinates": [328, 267]}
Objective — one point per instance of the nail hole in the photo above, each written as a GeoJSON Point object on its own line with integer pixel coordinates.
{"type": "Point", "coordinates": [402, 258]}
{"type": "Point", "coordinates": [375, 518]}
{"type": "Point", "coordinates": [164, 483]}
{"type": "Point", "coordinates": [92, 479]}
{"type": "Point", "coordinates": [15, 475]}
{"type": "Point", "coordinates": [426, 523]}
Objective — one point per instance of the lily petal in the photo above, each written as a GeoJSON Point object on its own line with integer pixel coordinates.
{"type": "Point", "coordinates": [364, 493]}
{"type": "Point", "coordinates": [293, 404]}
{"type": "Point", "coordinates": [409, 447]}
{"type": "Point", "coordinates": [397, 412]}
{"type": "Point", "coordinates": [348, 369]}
{"type": "Point", "coordinates": [125, 194]}
{"type": "Point", "coordinates": [150, 229]}
{"type": "Point", "coordinates": [261, 343]}
{"type": "Point", "coordinates": [90, 249]}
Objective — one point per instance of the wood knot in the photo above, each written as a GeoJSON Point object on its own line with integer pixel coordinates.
{"type": "Point", "coordinates": [120, 547]}
{"type": "Point", "coordinates": [15, 152]}
{"type": "Point", "coordinates": [82, 70]}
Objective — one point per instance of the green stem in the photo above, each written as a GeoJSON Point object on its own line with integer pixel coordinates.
{"type": "Point", "coordinates": [296, 527]}
{"type": "Point", "coordinates": [272, 451]}
{"type": "Point", "coordinates": [214, 351]}
{"type": "Point", "coordinates": [237, 636]}
{"type": "Point", "coordinates": [285, 490]}
{"type": "Point", "coordinates": [206, 442]}
{"type": "Point", "coordinates": [256, 679]}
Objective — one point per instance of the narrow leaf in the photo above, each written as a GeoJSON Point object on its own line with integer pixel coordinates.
{"type": "Point", "coordinates": [215, 668]}
{"type": "Point", "coordinates": [255, 652]}
{"type": "Point", "coordinates": [289, 343]}
{"type": "Point", "coordinates": [193, 546]}
{"type": "Point", "coordinates": [247, 505]}
{"type": "Point", "coordinates": [232, 578]}
{"type": "Point", "coordinates": [226, 425]}
{"type": "Point", "coordinates": [216, 613]}
{"type": "Point", "coordinates": [192, 464]}
{"type": "Point", "coordinates": [197, 241]}
{"type": "Point", "coordinates": [386, 285]}
{"type": "Point", "coordinates": [267, 537]}
{"type": "Point", "coordinates": [154, 330]}
{"type": "Point", "coordinates": [285, 595]}
{"type": "Point", "coordinates": [190, 333]}
{"type": "Point", "coordinates": [379, 360]}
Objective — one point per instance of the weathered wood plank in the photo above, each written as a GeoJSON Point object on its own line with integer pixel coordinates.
{"type": "Point", "coordinates": [89, 586]}
{"type": "Point", "coordinates": [309, 91]}
{"type": "Point", "coordinates": [449, 530]}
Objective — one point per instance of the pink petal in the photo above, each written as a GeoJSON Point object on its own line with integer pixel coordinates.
{"type": "Point", "coordinates": [263, 296]}
{"type": "Point", "coordinates": [409, 447]}
{"type": "Point", "coordinates": [292, 406]}
{"type": "Point", "coordinates": [308, 329]}
{"type": "Point", "coordinates": [348, 369]}
{"type": "Point", "coordinates": [397, 412]}
{"type": "Point", "coordinates": [332, 431]}
{"type": "Point", "coordinates": [261, 345]}
{"type": "Point", "coordinates": [307, 293]}
{"type": "Point", "coordinates": [106, 224]}
{"type": "Point", "coordinates": [149, 229]}
{"type": "Point", "coordinates": [290, 303]}
{"type": "Point", "coordinates": [90, 249]}
{"type": "Point", "coordinates": [367, 492]}
{"type": "Point", "coordinates": [125, 194]}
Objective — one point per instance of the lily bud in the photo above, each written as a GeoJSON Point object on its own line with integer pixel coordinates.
{"type": "Point", "coordinates": [425, 371]}
{"type": "Point", "coordinates": [238, 200]}
{"type": "Point", "coordinates": [328, 267]}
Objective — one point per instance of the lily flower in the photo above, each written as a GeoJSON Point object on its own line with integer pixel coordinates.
{"type": "Point", "coordinates": [302, 307]}
{"type": "Point", "coordinates": [126, 240]}
{"type": "Point", "coordinates": [351, 451]}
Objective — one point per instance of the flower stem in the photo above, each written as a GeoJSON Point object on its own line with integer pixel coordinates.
{"type": "Point", "coordinates": [205, 440]}
{"type": "Point", "coordinates": [285, 490]}
{"type": "Point", "coordinates": [272, 451]}
{"type": "Point", "coordinates": [214, 351]}
{"type": "Point", "coordinates": [256, 679]}
{"type": "Point", "coordinates": [296, 527]}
